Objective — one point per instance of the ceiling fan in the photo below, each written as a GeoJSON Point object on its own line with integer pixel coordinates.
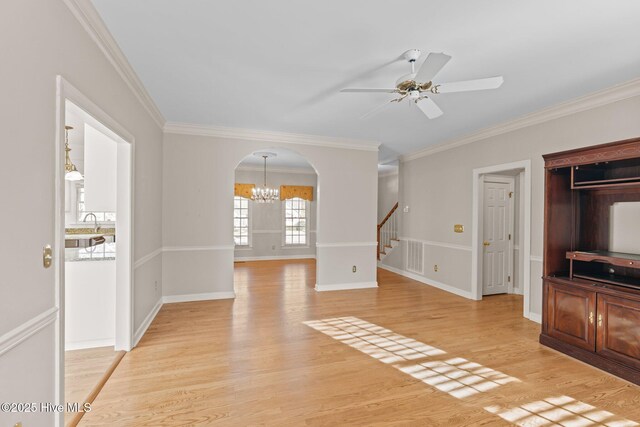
{"type": "Point", "coordinates": [419, 87]}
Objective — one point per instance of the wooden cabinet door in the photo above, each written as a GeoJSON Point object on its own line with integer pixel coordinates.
{"type": "Point", "coordinates": [618, 334]}
{"type": "Point", "coordinates": [571, 315]}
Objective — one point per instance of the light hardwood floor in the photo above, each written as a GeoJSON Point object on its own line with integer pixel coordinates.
{"type": "Point", "coordinates": [253, 361]}
{"type": "Point", "coordinates": [84, 374]}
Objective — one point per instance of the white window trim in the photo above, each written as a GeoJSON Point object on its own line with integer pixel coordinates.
{"type": "Point", "coordinates": [249, 245]}
{"type": "Point", "coordinates": [307, 206]}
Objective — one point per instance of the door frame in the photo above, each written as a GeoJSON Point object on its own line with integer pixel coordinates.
{"type": "Point", "coordinates": [476, 239]}
{"type": "Point", "coordinates": [65, 91]}
{"type": "Point", "coordinates": [510, 180]}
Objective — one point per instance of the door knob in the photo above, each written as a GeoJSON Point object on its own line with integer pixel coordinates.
{"type": "Point", "coordinates": [47, 256]}
{"type": "Point", "coordinates": [486, 243]}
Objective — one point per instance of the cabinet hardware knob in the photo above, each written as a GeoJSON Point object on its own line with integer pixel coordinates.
{"type": "Point", "coordinates": [599, 319]}
{"type": "Point", "coordinates": [591, 317]}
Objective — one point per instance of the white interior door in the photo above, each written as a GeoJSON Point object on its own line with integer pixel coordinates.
{"type": "Point", "coordinates": [497, 235]}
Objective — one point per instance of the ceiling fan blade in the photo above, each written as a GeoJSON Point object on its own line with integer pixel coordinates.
{"type": "Point", "coordinates": [366, 90]}
{"type": "Point", "coordinates": [431, 66]}
{"type": "Point", "coordinates": [469, 85]}
{"type": "Point", "coordinates": [429, 108]}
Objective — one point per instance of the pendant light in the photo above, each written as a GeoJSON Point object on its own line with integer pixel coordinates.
{"type": "Point", "coordinates": [265, 194]}
{"type": "Point", "coordinates": [71, 172]}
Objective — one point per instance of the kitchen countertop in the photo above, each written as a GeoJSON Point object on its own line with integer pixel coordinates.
{"type": "Point", "coordinates": [101, 252]}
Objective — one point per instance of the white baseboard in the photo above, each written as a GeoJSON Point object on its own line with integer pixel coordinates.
{"type": "Point", "coordinates": [273, 258]}
{"type": "Point", "coordinates": [535, 317]}
{"type": "Point", "coordinates": [79, 345]}
{"type": "Point", "coordinates": [427, 281]}
{"type": "Point", "coordinates": [147, 322]}
{"type": "Point", "coordinates": [169, 299]}
{"type": "Point", "coordinates": [346, 286]}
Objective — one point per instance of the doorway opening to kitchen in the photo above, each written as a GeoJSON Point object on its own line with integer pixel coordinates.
{"type": "Point", "coordinates": [94, 243]}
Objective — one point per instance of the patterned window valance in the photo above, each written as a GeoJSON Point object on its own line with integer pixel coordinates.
{"type": "Point", "coordinates": [243, 190]}
{"type": "Point", "coordinates": [291, 191]}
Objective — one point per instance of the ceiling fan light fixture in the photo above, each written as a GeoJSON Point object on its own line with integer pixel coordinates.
{"type": "Point", "coordinates": [418, 86]}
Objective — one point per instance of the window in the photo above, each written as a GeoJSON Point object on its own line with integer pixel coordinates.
{"type": "Point", "coordinates": [295, 221]}
{"type": "Point", "coordinates": [100, 216]}
{"type": "Point", "coordinates": [241, 221]}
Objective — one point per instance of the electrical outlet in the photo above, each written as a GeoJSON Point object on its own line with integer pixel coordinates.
{"type": "Point", "coordinates": [406, 209]}
{"type": "Point", "coordinates": [354, 269]}
{"type": "Point", "coordinates": [435, 267]}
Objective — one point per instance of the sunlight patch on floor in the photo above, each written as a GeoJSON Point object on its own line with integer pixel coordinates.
{"type": "Point", "coordinates": [456, 376]}
{"type": "Point", "coordinates": [559, 411]}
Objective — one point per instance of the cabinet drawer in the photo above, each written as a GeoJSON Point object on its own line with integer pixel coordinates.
{"type": "Point", "coordinates": [571, 315]}
{"type": "Point", "coordinates": [618, 333]}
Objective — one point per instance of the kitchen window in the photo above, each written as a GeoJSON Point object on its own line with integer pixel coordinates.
{"type": "Point", "coordinates": [101, 217]}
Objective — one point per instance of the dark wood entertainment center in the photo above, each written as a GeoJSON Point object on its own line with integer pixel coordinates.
{"type": "Point", "coordinates": [591, 295]}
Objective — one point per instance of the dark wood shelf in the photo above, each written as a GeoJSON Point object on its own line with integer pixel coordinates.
{"type": "Point", "coordinates": [606, 184]}
{"type": "Point", "coordinates": [619, 259]}
{"type": "Point", "coordinates": [607, 181]}
{"type": "Point", "coordinates": [612, 279]}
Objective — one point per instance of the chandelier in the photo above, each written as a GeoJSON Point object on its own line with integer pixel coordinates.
{"type": "Point", "coordinates": [265, 194]}
{"type": "Point", "coordinates": [71, 172]}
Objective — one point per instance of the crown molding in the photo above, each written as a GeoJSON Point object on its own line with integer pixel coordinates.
{"type": "Point", "coordinates": [593, 100]}
{"type": "Point", "coordinates": [299, 171]}
{"type": "Point", "coordinates": [269, 136]}
{"type": "Point", "coordinates": [90, 19]}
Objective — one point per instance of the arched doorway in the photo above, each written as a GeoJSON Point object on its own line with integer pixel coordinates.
{"type": "Point", "coordinates": [281, 231]}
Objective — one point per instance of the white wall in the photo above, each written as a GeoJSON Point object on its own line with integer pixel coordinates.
{"type": "Point", "coordinates": [199, 173]}
{"type": "Point", "coordinates": [39, 40]}
{"type": "Point", "coordinates": [387, 194]}
{"type": "Point", "coordinates": [438, 188]}
{"type": "Point", "coordinates": [266, 219]}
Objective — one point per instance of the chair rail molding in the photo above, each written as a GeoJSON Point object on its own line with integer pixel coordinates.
{"type": "Point", "coordinates": [438, 244]}
{"type": "Point", "coordinates": [21, 333]}
{"type": "Point", "coordinates": [198, 248]}
{"type": "Point", "coordinates": [345, 244]}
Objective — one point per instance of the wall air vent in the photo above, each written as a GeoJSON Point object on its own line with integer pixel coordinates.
{"type": "Point", "coordinates": [415, 256]}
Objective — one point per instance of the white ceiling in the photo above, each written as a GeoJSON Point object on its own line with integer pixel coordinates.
{"type": "Point", "coordinates": [278, 65]}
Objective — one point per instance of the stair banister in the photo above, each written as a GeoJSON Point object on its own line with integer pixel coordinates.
{"type": "Point", "coordinates": [387, 230]}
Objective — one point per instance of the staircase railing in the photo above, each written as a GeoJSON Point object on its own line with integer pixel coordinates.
{"type": "Point", "coordinates": [387, 231]}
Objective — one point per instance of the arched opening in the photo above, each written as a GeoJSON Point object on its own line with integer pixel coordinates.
{"type": "Point", "coordinates": [275, 220]}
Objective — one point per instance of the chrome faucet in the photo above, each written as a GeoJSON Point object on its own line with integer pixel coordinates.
{"type": "Point", "coordinates": [96, 227]}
